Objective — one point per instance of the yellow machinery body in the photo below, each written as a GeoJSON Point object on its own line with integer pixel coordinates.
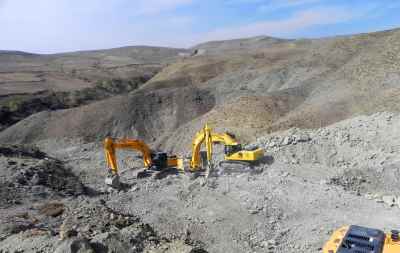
{"type": "Point", "coordinates": [233, 150]}
{"type": "Point", "coordinates": [349, 239]}
{"type": "Point", "coordinates": [246, 155]}
{"type": "Point", "coordinates": [174, 162]}
{"type": "Point", "coordinates": [158, 160]}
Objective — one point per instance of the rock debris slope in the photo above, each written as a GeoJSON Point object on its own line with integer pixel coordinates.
{"type": "Point", "coordinates": [311, 182]}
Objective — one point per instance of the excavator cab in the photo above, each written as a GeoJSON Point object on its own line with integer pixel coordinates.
{"type": "Point", "coordinates": [231, 149]}
{"type": "Point", "coordinates": [162, 160]}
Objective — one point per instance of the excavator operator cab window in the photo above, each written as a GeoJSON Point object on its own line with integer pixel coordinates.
{"type": "Point", "coordinates": [361, 239]}
{"type": "Point", "coordinates": [231, 149]}
{"type": "Point", "coordinates": [160, 161]}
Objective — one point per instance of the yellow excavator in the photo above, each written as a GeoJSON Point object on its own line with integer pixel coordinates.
{"type": "Point", "coordinates": [156, 161]}
{"type": "Point", "coordinates": [356, 239]}
{"type": "Point", "coordinates": [232, 149]}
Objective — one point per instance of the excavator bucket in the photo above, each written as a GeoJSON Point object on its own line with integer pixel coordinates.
{"type": "Point", "coordinates": [113, 181]}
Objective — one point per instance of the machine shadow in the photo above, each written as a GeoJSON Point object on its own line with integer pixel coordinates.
{"type": "Point", "coordinates": [266, 159]}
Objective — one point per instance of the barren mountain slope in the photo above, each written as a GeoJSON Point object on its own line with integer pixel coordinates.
{"type": "Point", "coordinates": [27, 73]}
{"type": "Point", "coordinates": [31, 83]}
{"type": "Point", "coordinates": [254, 90]}
{"type": "Point", "coordinates": [146, 115]}
{"type": "Point", "coordinates": [227, 46]}
{"type": "Point", "coordinates": [322, 82]}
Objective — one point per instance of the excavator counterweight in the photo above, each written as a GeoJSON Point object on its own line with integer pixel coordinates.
{"type": "Point", "coordinates": [245, 155]}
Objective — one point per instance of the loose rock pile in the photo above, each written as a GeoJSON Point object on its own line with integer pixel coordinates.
{"type": "Point", "coordinates": [27, 174]}
{"type": "Point", "coordinates": [55, 214]}
{"type": "Point", "coordinates": [358, 152]}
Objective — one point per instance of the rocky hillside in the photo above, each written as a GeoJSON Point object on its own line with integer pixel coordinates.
{"type": "Point", "coordinates": [250, 87]}
{"type": "Point", "coordinates": [310, 183]}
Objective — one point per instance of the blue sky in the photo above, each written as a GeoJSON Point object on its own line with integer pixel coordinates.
{"type": "Point", "coordinates": [48, 26]}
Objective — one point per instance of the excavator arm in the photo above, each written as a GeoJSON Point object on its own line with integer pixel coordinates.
{"type": "Point", "coordinates": [200, 137]}
{"type": "Point", "coordinates": [110, 147]}
{"type": "Point", "coordinates": [196, 145]}
{"type": "Point", "coordinates": [224, 138]}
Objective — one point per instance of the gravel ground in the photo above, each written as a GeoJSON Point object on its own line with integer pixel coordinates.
{"type": "Point", "coordinates": [310, 183]}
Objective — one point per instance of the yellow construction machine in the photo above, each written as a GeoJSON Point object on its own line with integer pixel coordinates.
{"type": "Point", "coordinates": [232, 149]}
{"type": "Point", "coordinates": [356, 239]}
{"type": "Point", "coordinates": [155, 161]}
